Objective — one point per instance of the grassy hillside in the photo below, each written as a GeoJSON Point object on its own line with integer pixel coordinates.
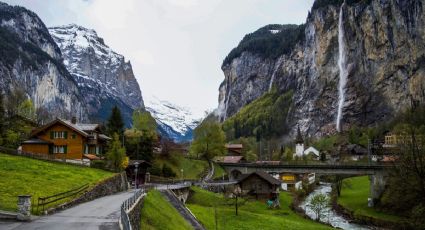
{"type": "Point", "coordinates": [192, 169]}
{"type": "Point", "coordinates": [158, 213]}
{"type": "Point", "coordinates": [252, 215]}
{"type": "Point", "coordinates": [354, 198]}
{"type": "Point", "coordinates": [22, 176]}
{"type": "Point", "coordinates": [264, 117]}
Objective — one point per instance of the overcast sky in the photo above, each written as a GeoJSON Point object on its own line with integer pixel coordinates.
{"type": "Point", "coordinates": [176, 47]}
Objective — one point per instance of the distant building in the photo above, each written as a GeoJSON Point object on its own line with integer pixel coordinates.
{"type": "Point", "coordinates": [299, 144]}
{"type": "Point", "coordinates": [234, 149]}
{"type": "Point", "coordinates": [291, 181]}
{"type": "Point", "coordinates": [259, 184]}
{"type": "Point", "coordinates": [229, 159]}
{"type": "Point", "coordinates": [313, 152]}
{"type": "Point", "coordinates": [67, 140]}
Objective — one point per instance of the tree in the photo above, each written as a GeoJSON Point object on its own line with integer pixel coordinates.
{"type": "Point", "coordinates": [115, 123]}
{"type": "Point", "coordinates": [406, 184]}
{"type": "Point", "coordinates": [143, 135]}
{"type": "Point", "coordinates": [209, 140]}
{"type": "Point", "coordinates": [318, 204]}
{"type": "Point", "coordinates": [116, 154]}
{"type": "Point", "coordinates": [143, 121]}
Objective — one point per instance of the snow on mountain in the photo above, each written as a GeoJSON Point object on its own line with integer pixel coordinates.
{"type": "Point", "coordinates": [177, 122]}
{"type": "Point", "coordinates": [103, 76]}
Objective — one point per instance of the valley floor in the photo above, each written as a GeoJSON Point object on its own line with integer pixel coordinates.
{"type": "Point", "coordinates": [252, 214]}
{"type": "Point", "coordinates": [354, 195]}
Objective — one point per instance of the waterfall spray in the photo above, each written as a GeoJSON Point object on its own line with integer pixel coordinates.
{"type": "Point", "coordinates": [342, 64]}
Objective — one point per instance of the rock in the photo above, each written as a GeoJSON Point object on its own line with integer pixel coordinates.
{"type": "Point", "coordinates": [385, 54]}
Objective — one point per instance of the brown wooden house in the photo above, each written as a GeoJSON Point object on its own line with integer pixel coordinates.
{"type": "Point", "coordinates": [259, 184]}
{"type": "Point", "coordinates": [66, 139]}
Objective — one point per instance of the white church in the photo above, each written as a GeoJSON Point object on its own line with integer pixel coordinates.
{"type": "Point", "coordinates": [299, 148]}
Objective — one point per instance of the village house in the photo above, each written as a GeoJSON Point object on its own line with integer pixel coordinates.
{"type": "Point", "coordinates": [291, 181]}
{"type": "Point", "coordinates": [259, 184]}
{"type": "Point", "coordinates": [229, 159]}
{"type": "Point", "coordinates": [234, 149]}
{"type": "Point", "coordinates": [301, 152]}
{"type": "Point", "coordinates": [67, 140]}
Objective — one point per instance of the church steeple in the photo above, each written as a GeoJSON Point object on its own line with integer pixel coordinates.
{"type": "Point", "coordinates": [299, 139]}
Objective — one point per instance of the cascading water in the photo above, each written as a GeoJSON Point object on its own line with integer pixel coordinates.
{"type": "Point", "coordinates": [274, 74]}
{"type": "Point", "coordinates": [342, 64]}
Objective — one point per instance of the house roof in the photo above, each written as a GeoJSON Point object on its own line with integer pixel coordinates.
{"type": "Point", "coordinates": [268, 162]}
{"type": "Point", "coordinates": [262, 175]}
{"type": "Point", "coordinates": [234, 146]}
{"type": "Point", "coordinates": [299, 139]}
{"type": "Point", "coordinates": [80, 128]}
{"type": "Point", "coordinates": [141, 162]}
{"type": "Point", "coordinates": [312, 150]}
{"type": "Point", "coordinates": [91, 157]}
{"type": "Point", "coordinates": [357, 149]}
{"type": "Point", "coordinates": [228, 159]}
{"type": "Point", "coordinates": [36, 141]}
{"type": "Point", "coordinates": [103, 136]}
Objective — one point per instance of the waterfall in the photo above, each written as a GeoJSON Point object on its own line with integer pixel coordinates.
{"type": "Point", "coordinates": [274, 73]}
{"type": "Point", "coordinates": [342, 64]}
{"type": "Point", "coordinates": [227, 104]}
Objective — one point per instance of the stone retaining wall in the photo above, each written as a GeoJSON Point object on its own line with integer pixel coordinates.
{"type": "Point", "coordinates": [135, 214]}
{"type": "Point", "coordinates": [115, 184]}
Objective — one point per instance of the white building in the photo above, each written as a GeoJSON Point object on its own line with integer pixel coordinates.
{"type": "Point", "coordinates": [313, 151]}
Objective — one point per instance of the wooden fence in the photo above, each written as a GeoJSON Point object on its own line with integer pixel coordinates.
{"type": "Point", "coordinates": [44, 201]}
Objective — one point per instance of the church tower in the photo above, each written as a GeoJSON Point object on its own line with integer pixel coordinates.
{"type": "Point", "coordinates": [299, 144]}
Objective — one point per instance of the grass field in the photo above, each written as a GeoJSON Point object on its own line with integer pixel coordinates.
{"type": "Point", "coordinates": [218, 172]}
{"type": "Point", "coordinates": [157, 213]}
{"type": "Point", "coordinates": [25, 176]}
{"type": "Point", "coordinates": [252, 215]}
{"type": "Point", "coordinates": [192, 169]}
{"type": "Point", "coordinates": [354, 198]}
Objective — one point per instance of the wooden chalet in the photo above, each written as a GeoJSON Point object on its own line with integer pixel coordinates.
{"type": "Point", "coordinates": [234, 149]}
{"type": "Point", "coordinates": [67, 140]}
{"type": "Point", "coordinates": [259, 184]}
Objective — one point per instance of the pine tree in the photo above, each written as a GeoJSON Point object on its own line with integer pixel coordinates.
{"type": "Point", "coordinates": [115, 123]}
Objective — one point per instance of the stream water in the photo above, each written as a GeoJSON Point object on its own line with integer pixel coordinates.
{"type": "Point", "coordinates": [329, 215]}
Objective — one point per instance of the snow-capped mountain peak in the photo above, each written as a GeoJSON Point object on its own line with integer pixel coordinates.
{"type": "Point", "coordinates": [177, 121]}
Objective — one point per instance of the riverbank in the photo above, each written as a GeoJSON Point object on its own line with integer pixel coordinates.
{"type": "Point", "coordinates": [215, 211]}
{"type": "Point", "coordinates": [353, 203]}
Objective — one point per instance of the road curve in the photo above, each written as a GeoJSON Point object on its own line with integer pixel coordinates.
{"type": "Point", "coordinates": [102, 213]}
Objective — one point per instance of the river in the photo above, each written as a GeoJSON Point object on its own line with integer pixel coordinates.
{"type": "Point", "coordinates": [329, 215]}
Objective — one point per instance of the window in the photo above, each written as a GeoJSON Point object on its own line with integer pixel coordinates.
{"type": "Point", "coordinates": [74, 136]}
{"type": "Point", "coordinates": [60, 149]}
{"type": "Point", "coordinates": [58, 135]}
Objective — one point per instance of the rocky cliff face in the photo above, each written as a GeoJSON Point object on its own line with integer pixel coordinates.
{"type": "Point", "coordinates": [384, 64]}
{"type": "Point", "coordinates": [31, 60]}
{"type": "Point", "coordinates": [103, 76]}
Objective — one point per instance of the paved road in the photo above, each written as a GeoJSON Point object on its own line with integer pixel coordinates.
{"type": "Point", "coordinates": [102, 213]}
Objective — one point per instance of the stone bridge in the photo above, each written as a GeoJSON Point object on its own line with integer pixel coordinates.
{"type": "Point", "coordinates": [376, 172]}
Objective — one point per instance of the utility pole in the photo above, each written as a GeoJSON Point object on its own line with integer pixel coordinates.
{"type": "Point", "coordinates": [368, 151]}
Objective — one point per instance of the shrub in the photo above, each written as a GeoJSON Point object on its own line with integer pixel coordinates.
{"type": "Point", "coordinates": [167, 171]}
{"type": "Point", "coordinates": [99, 164]}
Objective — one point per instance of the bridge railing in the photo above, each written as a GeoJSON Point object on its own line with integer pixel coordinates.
{"type": "Point", "coordinates": [127, 222]}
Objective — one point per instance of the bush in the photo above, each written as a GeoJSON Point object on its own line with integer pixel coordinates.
{"type": "Point", "coordinates": [156, 169]}
{"type": "Point", "coordinates": [167, 171]}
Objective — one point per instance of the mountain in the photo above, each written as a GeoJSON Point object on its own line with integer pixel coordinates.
{"type": "Point", "coordinates": [103, 76]}
{"type": "Point", "coordinates": [176, 122]}
{"type": "Point", "coordinates": [354, 63]}
{"type": "Point", "coordinates": [31, 61]}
